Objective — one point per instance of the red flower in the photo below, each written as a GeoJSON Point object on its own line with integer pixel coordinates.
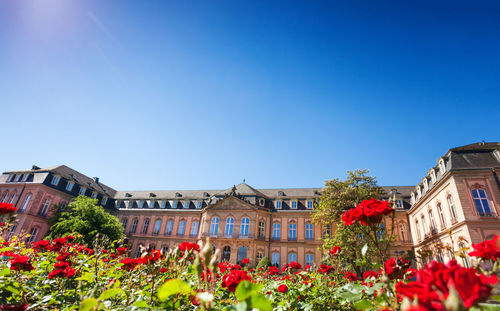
{"type": "Point", "coordinates": [66, 273]}
{"type": "Point", "coordinates": [151, 257]}
{"type": "Point", "coordinates": [7, 208]}
{"type": "Point", "coordinates": [63, 256]}
{"type": "Point", "coordinates": [245, 261]}
{"type": "Point", "coordinates": [223, 266]}
{"type": "Point", "coordinates": [13, 307]}
{"type": "Point", "coordinates": [273, 270]}
{"type": "Point", "coordinates": [121, 250]}
{"type": "Point", "coordinates": [351, 276]}
{"type": "Point", "coordinates": [489, 249]}
{"type": "Point", "coordinates": [41, 245]}
{"type": "Point", "coordinates": [21, 263]}
{"type": "Point", "coordinates": [369, 274]}
{"type": "Point", "coordinates": [129, 263]}
{"type": "Point", "coordinates": [188, 246]}
{"type": "Point", "coordinates": [294, 265]}
{"type": "Point", "coordinates": [61, 265]}
{"type": "Point", "coordinates": [232, 279]}
{"type": "Point", "coordinates": [367, 212]}
{"type": "Point", "coordinates": [325, 269]}
{"type": "Point", "coordinates": [395, 267]}
{"type": "Point", "coordinates": [69, 238]}
{"type": "Point", "coordinates": [435, 280]}
{"type": "Point", "coordinates": [283, 288]}
{"type": "Point", "coordinates": [335, 250]}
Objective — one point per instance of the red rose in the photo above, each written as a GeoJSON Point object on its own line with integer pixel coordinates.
{"type": "Point", "coordinates": [232, 279]}
{"type": "Point", "coordinates": [245, 261]}
{"type": "Point", "coordinates": [294, 265]}
{"type": "Point", "coordinates": [335, 250]}
{"type": "Point", "coordinates": [151, 257]}
{"type": "Point", "coordinates": [66, 273]}
{"type": "Point", "coordinates": [69, 238]}
{"type": "Point", "coordinates": [129, 263]}
{"type": "Point", "coordinates": [13, 307]}
{"type": "Point", "coordinates": [121, 250]}
{"type": "Point", "coordinates": [41, 245]}
{"type": "Point", "coordinates": [21, 263]}
{"type": "Point", "coordinates": [351, 276]}
{"type": "Point", "coordinates": [395, 267]}
{"type": "Point", "coordinates": [369, 274]}
{"type": "Point", "coordinates": [325, 269]}
{"type": "Point", "coordinates": [273, 270]}
{"type": "Point", "coordinates": [7, 208]}
{"type": "Point", "coordinates": [188, 246]}
{"type": "Point", "coordinates": [433, 284]}
{"type": "Point", "coordinates": [283, 288]}
{"type": "Point", "coordinates": [489, 249]}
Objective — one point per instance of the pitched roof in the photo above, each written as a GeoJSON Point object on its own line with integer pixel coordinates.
{"type": "Point", "coordinates": [242, 189]}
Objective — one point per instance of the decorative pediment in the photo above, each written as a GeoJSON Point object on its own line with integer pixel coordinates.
{"type": "Point", "coordinates": [232, 203]}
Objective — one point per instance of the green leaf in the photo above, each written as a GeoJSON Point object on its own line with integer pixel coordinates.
{"type": "Point", "coordinates": [242, 306]}
{"type": "Point", "coordinates": [245, 289]}
{"type": "Point", "coordinates": [88, 304]}
{"type": "Point", "coordinates": [173, 287]}
{"type": "Point", "coordinates": [260, 302]}
{"type": "Point", "coordinates": [363, 304]}
{"type": "Point", "coordinates": [110, 293]}
{"type": "Point", "coordinates": [364, 249]}
{"type": "Point", "coordinates": [5, 271]}
{"type": "Point", "coordinates": [141, 304]}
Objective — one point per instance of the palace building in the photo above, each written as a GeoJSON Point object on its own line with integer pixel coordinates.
{"type": "Point", "coordinates": [244, 222]}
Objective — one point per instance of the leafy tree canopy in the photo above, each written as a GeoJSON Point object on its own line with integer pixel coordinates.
{"type": "Point", "coordinates": [339, 196]}
{"type": "Point", "coordinates": [85, 217]}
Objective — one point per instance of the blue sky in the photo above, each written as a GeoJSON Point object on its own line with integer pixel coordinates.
{"type": "Point", "coordinates": [201, 94]}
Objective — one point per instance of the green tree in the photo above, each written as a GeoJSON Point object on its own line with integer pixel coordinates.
{"type": "Point", "coordinates": [337, 197]}
{"type": "Point", "coordinates": [85, 217]}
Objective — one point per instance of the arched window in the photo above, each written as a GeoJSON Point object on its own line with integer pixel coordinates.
{"type": "Point", "coordinates": [433, 223]}
{"type": "Point", "coordinates": [214, 227]}
{"type": "Point", "coordinates": [11, 232]}
{"type": "Point", "coordinates": [292, 231]}
{"type": "Point", "coordinates": [138, 252]}
{"type": "Point", "coordinates": [309, 231]}
{"type": "Point", "coordinates": [228, 230]}
{"type": "Point", "coordinates": [182, 228]}
{"type": "Point", "coordinates": [309, 259]}
{"type": "Point", "coordinates": [194, 228]}
{"type": "Point", "coordinates": [170, 226]}
{"type": "Point", "coordinates": [25, 203]}
{"type": "Point", "coordinates": [245, 222]}
{"type": "Point", "coordinates": [124, 222]}
{"type": "Point", "coordinates": [417, 227]}
{"type": "Point", "coordinates": [424, 224]}
{"type": "Point", "coordinates": [275, 259]}
{"type": "Point", "coordinates": [134, 225]}
{"type": "Point", "coordinates": [440, 256]}
{"type": "Point", "coordinates": [402, 230]}
{"type": "Point", "coordinates": [226, 253]}
{"type": "Point", "coordinates": [33, 234]}
{"type": "Point", "coordinates": [45, 207]}
{"type": "Point", "coordinates": [481, 201]}
{"type": "Point", "coordinates": [262, 229]}
{"type": "Point", "coordinates": [259, 257]}
{"type": "Point", "coordinates": [164, 249]}
{"type": "Point", "coordinates": [4, 198]}
{"type": "Point", "coordinates": [292, 257]}
{"type": "Point", "coordinates": [242, 253]}
{"type": "Point", "coordinates": [451, 205]}
{"type": "Point", "coordinates": [441, 215]}
{"type": "Point", "coordinates": [157, 227]}
{"type": "Point", "coordinates": [145, 226]}
{"type": "Point", "coordinates": [276, 231]}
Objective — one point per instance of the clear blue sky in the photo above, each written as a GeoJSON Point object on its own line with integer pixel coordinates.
{"type": "Point", "coordinates": [201, 94]}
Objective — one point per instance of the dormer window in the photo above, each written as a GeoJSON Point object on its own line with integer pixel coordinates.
{"type": "Point", "coordinates": [412, 198]}
{"type": "Point", "coordinates": [426, 184]}
{"type": "Point", "coordinates": [186, 204]}
{"type": "Point", "coordinates": [117, 203]}
{"type": "Point", "coordinates": [140, 204]}
{"type": "Point", "coordinates": [18, 177]}
{"type": "Point", "coordinates": [82, 191]}
{"type": "Point", "coordinates": [399, 204]}
{"type": "Point", "coordinates": [174, 204]}
{"type": "Point", "coordinates": [55, 180]}
{"type": "Point", "coordinates": [104, 201]}
{"type": "Point", "coordinates": [261, 202]}
{"type": "Point", "coordinates": [294, 205]}
{"type": "Point", "coordinates": [281, 193]}
{"type": "Point", "coordinates": [278, 204]}
{"type": "Point", "coordinates": [206, 195]}
{"type": "Point", "coordinates": [94, 194]}
{"type": "Point", "coordinates": [178, 195]}
{"type": "Point", "coordinates": [442, 167]}
{"type": "Point", "coordinates": [11, 177]}
{"type": "Point", "coordinates": [69, 186]}
{"type": "Point", "coordinates": [310, 204]}
{"type": "Point", "coordinates": [152, 204]}
{"type": "Point", "coordinates": [419, 192]}
{"type": "Point", "coordinates": [25, 177]}
{"type": "Point", "coordinates": [433, 175]}
{"type": "Point", "coordinates": [199, 204]}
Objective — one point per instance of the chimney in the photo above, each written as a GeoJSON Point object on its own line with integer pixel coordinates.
{"type": "Point", "coordinates": [34, 168]}
{"type": "Point", "coordinates": [96, 179]}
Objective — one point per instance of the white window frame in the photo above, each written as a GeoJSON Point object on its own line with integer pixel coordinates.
{"type": "Point", "coordinates": [94, 194]}
{"type": "Point", "coordinates": [55, 180]}
{"type": "Point", "coordinates": [199, 204]}
{"type": "Point", "coordinates": [69, 186]}
{"type": "Point", "coordinates": [229, 227]}
{"type": "Point", "coordinates": [276, 231]}
{"type": "Point", "coordinates": [244, 227]}
{"type": "Point", "coordinates": [186, 204]}
{"type": "Point", "coordinates": [11, 177]}
{"type": "Point", "coordinates": [26, 202]}
{"type": "Point", "coordinates": [309, 259]}
{"type": "Point", "coordinates": [214, 226]}
{"type": "Point", "coordinates": [140, 204]}
{"type": "Point", "coordinates": [82, 191]}
{"type": "Point", "coordinates": [181, 230]}
{"type": "Point", "coordinates": [293, 203]}
{"type": "Point", "coordinates": [104, 200]}
{"type": "Point", "coordinates": [163, 204]}
{"type": "Point", "coordinates": [309, 228]}
{"type": "Point", "coordinates": [25, 177]}
{"type": "Point", "coordinates": [310, 204]}
{"type": "Point", "coordinates": [194, 228]}
{"type": "Point", "coordinates": [18, 177]}
{"type": "Point", "coordinates": [279, 204]}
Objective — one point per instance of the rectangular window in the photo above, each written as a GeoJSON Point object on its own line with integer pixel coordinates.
{"type": "Point", "coordinates": [134, 226]}
{"type": "Point", "coordinates": [186, 204]}
{"type": "Point", "coordinates": [194, 228]}
{"type": "Point", "coordinates": [399, 204]}
{"type": "Point", "coordinates": [11, 201]}
{"type": "Point", "coordinates": [278, 204]}
{"type": "Point", "coordinates": [104, 201]}
{"type": "Point", "coordinates": [25, 177]}
{"type": "Point", "coordinates": [276, 231]}
{"type": "Point", "coordinates": [309, 232]}
{"type": "Point", "coordinates": [55, 180]}
{"type": "Point", "coordinates": [481, 202]}
{"type": "Point", "coordinates": [69, 186]}
{"type": "Point", "coordinates": [198, 205]}
{"type": "Point", "coordinates": [214, 226]}
{"type": "Point", "coordinates": [309, 259]}
{"type": "Point", "coordinates": [294, 204]}
{"type": "Point", "coordinates": [292, 232]}
{"type": "Point", "coordinates": [32, 237]}
{"type": "Point", "coordinates": [18, 177]}
{"type": "Point", "coordinates": [174, 204]}
{"type": "Point", "coordinates": [310, 204]}
{"type": "Point", "coordinates": [245, 222]}
{"type": "Point", "coordinates": [140, 204]}
{"type": "Point", "coordinates": [11, 176]}
{"type": "Point", "coordinates": [417, 227]}
{"type": "Point", "coordinates": [157, 227]}
{"type": "Point", "coordinates": [182, 228]}
{"type": "Point", "coordinates": [163, 203]}
{"type": "Point", "coordinates": [82, 191]}
{"type": "Point", "coordinates": [170, 226]}
{"type": "Point", "coordinates": [292, 257]}
{"type": "Point", "coordinates": [275, 259]}
{"type": "Point", "coordinates": [124, 223]}
{"type": "Point", "coordinates": [94, 194]}
{"type": "Point", "coordinates": [11, 232]}
{"type": "Point", "coordinates": [45, 207]}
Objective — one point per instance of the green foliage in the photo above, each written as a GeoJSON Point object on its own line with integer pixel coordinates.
{"type": "Point", "coordinates": [83, 216]}
{"type": "Point", "coordinates": [264, 263]}
{"type": "Point", "coordinates": [337, 197]}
